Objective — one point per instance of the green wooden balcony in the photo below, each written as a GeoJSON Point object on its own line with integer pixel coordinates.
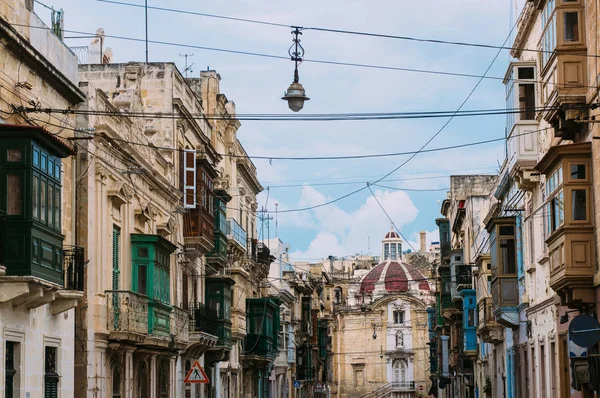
{"type": "Point", "coordinates": [261, 345]}
{"type": "Point", "coordinates": [263, 326]}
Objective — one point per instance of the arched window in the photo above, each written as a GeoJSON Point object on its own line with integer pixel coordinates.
{"type": "Point", "coordinates": [163, 380]}
{"type": "Point", "coordinates": [116, 382]}
{"type": "Point", "coordinates": [142, 379]}
{"type": "Point", "coordinates": [399, 371]}
{"type": "Point", "coordinates": [338, 295]}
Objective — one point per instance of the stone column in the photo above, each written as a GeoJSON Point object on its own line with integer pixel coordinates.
{"type": "Point", "coordinates": [174, 383]}
{"type": "Point", "coordinates": [101, 365]}
{"type": "Point", "coordinates": [153, 376]}
{"type": "Point", "coordinates": [129, 380]}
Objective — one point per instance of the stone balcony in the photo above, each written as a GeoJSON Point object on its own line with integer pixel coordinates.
{"type": "Point", "coordinates": [31, 292]}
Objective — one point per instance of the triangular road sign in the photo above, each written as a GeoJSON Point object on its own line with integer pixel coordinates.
{"type": "Point", "coordinates": [196, 374]}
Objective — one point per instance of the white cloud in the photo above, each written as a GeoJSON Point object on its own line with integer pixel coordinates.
{"type": "Point", "coordinates": [346, 232]}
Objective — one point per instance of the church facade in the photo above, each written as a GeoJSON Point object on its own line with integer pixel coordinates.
{"type": "Point", "coordinates": [380, 329]}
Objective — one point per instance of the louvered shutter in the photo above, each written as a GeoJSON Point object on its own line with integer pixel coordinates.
{"type": "Point", "coordinates": [115, 259]}
{"type": "Point", "coordinates": [115, 276]}
{"type": "Point", "coordinates": [51, 386]}
{"type": "Point", "coordinates": [189, 179]}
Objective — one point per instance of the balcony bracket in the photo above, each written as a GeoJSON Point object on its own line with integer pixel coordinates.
{"type": "Point", "coordinates": [65, 300]}
{"type": "Point", "coordinates": [12, 291]}
{"type": "Point", "coordinates": [203, 342]}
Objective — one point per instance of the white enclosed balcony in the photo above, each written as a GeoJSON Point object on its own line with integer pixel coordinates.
{"type": "Point", "coordinates": [522, 123]}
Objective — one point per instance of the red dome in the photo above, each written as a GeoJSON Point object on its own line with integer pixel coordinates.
{"type": "Point", "coordinates": [391, 235]}
{"type": "Point", "coordinates": [396, 277]}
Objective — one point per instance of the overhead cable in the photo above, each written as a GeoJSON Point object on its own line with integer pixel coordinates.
{"type": "Point", "coordinates": [339, 31]}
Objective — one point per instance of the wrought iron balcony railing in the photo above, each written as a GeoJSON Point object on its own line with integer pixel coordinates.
{"type": "Point", "coordinates": [127, 312]}
{"type": "Point", "coordinates": [73, 266]}
{"type": "Point", "coordinates": [203, 319]}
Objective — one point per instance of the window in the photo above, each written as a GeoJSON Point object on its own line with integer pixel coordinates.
{"type": "Point", "coordinates": [526, 73]}
{"type": "Point", "coordinates": [508, 253]}
{"type": "Point", "coordinates": [386, 251]}
{"type": "Point", "coordinates": [142, 287]}
{"type": "Point", "coordinates": [116, 382]}
{"type": "Point", "coordinates": [57, 208]}
{"type": "Point", "coordinates": [51, 373]}
{"type": "Point", "coordinates": [10, 370]}
{"type": "Point", "coordinates": [471, 317]}
{"type": "Point", "coordinates": [14, 155]}
{"type": "Point", "coordinates": [578, 203]}
{"type": "Point", "coordinates": [338, 295]}
{"type": "Point", "coordinates": [527, 101]}
{"type": "Point", "coordinates": [578, 172]}
{"type": "Point", "coordinates": [14, 194]}
{"type": "Point", "coordinates": [555, 203]}
{"type": "Point", "coordinates": [399, 317]}
{"type": "Point", "coordinates": [207, 193]}
{"type": "Point", "coordinates": [35, 200]}
{"type": "Point", "coordinates": [571, 28]}
{"type": "Point", "coordinates": [43, 200]}
{"type": "Point", "coordinates": [569, 193]}
{"type": "Point", "coordinates": [548, 41]}
{"type": "Point", "coordinates": [50, 205]}
{"type": "Point", "coordinates": [393, 252]}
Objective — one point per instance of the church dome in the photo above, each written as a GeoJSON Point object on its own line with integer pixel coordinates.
{"type": "Point", "coordinates": [393, 277]}
{"type": "Point", "coordinates": [391, 235]}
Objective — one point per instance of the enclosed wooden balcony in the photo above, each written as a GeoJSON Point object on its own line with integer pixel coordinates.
{"type": "Point", "coordinates": [488, 329]}
{"type": "Point", "coordinates": [264, 325]}
{"type": "Point", "coordinates": [503, 251]}
{"type": "Point", "coordinates": [236, 235]}
{"type": "Point", "coordinates": [569, 222]}
{"type": "Point", "coordinates": [216, 259]}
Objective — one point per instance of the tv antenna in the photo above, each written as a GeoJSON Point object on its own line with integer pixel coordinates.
{"type": "Point", "coordinates": [187, 68]}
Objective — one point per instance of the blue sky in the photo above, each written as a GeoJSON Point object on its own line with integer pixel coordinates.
{"type": "Point", "coordinates": [256, 84]}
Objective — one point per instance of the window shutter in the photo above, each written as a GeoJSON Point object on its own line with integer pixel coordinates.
{"type": "Point", "coordinates": [189, 179]}
{"type": "Point", "coordinates": [115, 270]}
{"type": "Point", "coordinates": [51, 387]}
{"type": "Point", "coordinates": [185, 290]}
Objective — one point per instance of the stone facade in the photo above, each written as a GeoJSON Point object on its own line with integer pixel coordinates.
{"type": "Point", "coordinates": [36, 315]}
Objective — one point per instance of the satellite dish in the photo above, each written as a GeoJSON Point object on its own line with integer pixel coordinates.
{"type": "Point", "coordinates": [584, 331]}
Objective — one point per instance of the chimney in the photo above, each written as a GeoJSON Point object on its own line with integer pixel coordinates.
{"type": "Point", "coordinates": [423, 244]}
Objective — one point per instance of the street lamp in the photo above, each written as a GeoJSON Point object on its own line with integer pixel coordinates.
{"type": "Point", "coordinates": [295, 94]}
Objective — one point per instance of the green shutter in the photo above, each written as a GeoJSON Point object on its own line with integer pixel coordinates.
{"type": "Point", "coordinates": [115, 259]}
{"type": "Point", "coordinates": [115, 275]}
{"type": "Point", "coordinates": [51, 387]}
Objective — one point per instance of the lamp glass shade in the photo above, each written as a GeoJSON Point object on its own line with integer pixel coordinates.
{"type": "Point", "coordinates": [295, 96]}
